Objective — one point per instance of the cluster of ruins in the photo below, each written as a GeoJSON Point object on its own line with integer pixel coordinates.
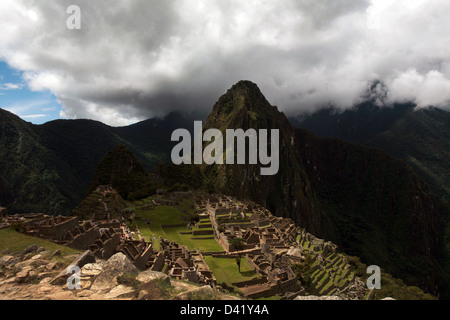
{"type": "Point", "coordinates": [270, 245]}
{"type": "Point", "coordinates": [107, 233]}
{"type": "Point", "coordinates": [104, 234]}
{"type": "Point", "coordinates": [263, 236]}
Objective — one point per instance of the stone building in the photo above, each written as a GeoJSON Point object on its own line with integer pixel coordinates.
{"type": "Point", "coordinates": [183, 264]}
{"type": "Point", "coordinates": [56, 228]}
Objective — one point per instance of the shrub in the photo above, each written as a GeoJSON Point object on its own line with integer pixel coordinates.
{"type": "Point", "coordinates": [19, 227]}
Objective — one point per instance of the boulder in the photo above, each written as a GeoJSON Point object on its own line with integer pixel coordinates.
{"type": "Point", "coordinates": [206, 291]}
{"type": "Point", "coordinates": [7, 261]}
{"type": "Point", "coordinates": [57, 253]}
{"type": "Point", "coordinates": [83, 259]}
{"type": "Point", "coordinates": [31, 249]}
{"type": "Point", "coordinates": [23, 275]}
{"type": "Point", "coordinates": [92, 269]}
{"type": "Point", "coordinates": [40, 249]}
{"type": "Point", "coordinates": [142, 295]}
{"type": "Point", "coordinates": [80, 261]}
{"type": "Point", "coordinates": [34, 261]}
{"type": "Point", "coordinates": [51, 266]}
{"type": "Point", "coordinates": [120, 291]}
{"type": "Point", "coordinates": [149, 275]}
{"type": "Point", "coordinates": [116, 266]}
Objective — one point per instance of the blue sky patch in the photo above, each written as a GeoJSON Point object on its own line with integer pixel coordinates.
{"type": "Point", "coordinates": [16, 97]}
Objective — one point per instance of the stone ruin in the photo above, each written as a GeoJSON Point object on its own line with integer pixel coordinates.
{"type": "Point", "coordinates": [183, 264]}
{"type": "Point", "coordinates": [248, 221]}
{"type": "Point", "coordinates": [103, 233]}
{"type": "Point", "coordinates": [272, 246]}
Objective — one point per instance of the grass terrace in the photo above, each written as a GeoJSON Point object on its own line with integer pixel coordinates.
{"type": "Point", "coordinates": [171, 218]}
{"type": "Point", "coordinates": [226, 271]}
{"type": "Point", "coordinates": [17, 242]}
{"type": "Point", "coordinates": [202, 243]}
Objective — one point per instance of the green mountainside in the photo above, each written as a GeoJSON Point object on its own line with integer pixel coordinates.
{"type": "Point", "coordinates": [120, 169]}
{"type": "Point", "coordinates": [33, 178]}
{"type": "Point", "coordinates": [48, 168]}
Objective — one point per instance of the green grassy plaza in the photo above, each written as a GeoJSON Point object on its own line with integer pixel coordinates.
{"type": "Point", "coordinates": [171, 218]}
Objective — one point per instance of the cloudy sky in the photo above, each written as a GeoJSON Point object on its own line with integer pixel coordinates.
{"type": "Point", "coordinates": [136, 59]}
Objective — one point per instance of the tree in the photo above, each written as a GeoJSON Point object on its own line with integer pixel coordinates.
{"type": "Point", "coordinates": [238, 262]}
{"type": "Point", "coordinates": [238, 244]}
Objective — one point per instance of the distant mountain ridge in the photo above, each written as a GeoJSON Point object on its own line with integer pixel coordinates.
{"type": "Point", "coordinates": [49, 167]}
{"type": "Point", "coordinates": [419, 137]}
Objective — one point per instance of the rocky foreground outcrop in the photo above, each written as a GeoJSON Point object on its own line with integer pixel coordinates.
{"type": "Point", "coordinates": [37, 274]}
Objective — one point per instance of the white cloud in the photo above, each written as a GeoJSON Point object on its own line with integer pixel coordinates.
{"type": "Point", "coordinates": [11, 86]}
{"type": "Point", "coordinates": [431, 89]}
{"type": "Point", "coordinates": [34, 116]}
{"type": "Point", "coordinates": [135, 59]}
{"type": "Point", "coordinates": [26, 106]}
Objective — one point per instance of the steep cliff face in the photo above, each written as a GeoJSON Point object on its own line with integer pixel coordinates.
{"type": "Point", "coordinates": [379, 208]}
{"type": "Point", "coordinates": [371, 204]}
{"type": "Point", "coordinates": [288, 193]}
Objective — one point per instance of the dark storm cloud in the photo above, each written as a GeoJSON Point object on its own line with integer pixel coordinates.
{"type": "Point", "coordinates": [135, 59]}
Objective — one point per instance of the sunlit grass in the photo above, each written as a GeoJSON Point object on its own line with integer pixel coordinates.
{"type": "Point", "coordinates": [226, 270]}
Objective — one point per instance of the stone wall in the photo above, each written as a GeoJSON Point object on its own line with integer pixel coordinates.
{"type": "Point", "coordinates": [83, 240]}
{"type": "Point", "coordinates": [110, 246]}
{"type": "Point", "coordinates": [56, 228]}
{"type": "Point", "coordinates": [251, 282]}
{"type": "Point", "coordinates": [142, 259]}
{"type": "Point", "coordinates": [202, 232]}
{"type": "Point", "coordinates": [158, 262]}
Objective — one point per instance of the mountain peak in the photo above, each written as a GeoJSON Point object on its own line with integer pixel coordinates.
{"type": "Point", "coordinates": [245, 84]}
{"type": "Point", "coordinates": [247, 94]}
{"type": "Point", "coordinates": [243, 106]}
